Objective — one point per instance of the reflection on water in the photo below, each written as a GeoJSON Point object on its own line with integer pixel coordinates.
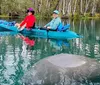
{"type": "Point", "coordinates": [27, 40]}
{"type": "Point", "coordinates": [18, 54]}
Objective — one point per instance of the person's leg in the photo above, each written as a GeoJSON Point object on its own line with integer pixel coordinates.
{"type": "Point", "coordinates": [48, 29]}
{"type": "Point", "coordinates": [43, 28]}
{"type": "Point", "coordinates": [52, 29]}
{"type": "Point", "coordinates": [21, 28]}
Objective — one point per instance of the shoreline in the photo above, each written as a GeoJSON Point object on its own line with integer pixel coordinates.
{"type": "Point", "coordinates": [62, 17]}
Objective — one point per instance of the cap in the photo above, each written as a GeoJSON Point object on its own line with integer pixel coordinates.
{"type": "Point", "coordinates": [56, 11]}
{"type": "Point", "coordinates": [30, 9]}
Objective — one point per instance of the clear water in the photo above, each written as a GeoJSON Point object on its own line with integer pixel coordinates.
{"type": "Point", "coordinates": [17, 56]}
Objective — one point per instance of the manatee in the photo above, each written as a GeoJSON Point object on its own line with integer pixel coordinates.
{"type": "Point", "coordinates": [62, 69]}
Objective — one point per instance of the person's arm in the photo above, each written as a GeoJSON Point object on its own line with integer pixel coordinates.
{"type": "Point", "coordinates": [23, 22]}
{"type": "Point", "coordinates": [48, 24]}
{"type": "Point", "coordinates": [56, 24]}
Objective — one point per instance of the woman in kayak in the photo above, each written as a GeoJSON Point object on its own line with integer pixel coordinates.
{"type": "Point", "coordinates": [54, 23]}
{"type": "Point", "coordinates": [28, 22]}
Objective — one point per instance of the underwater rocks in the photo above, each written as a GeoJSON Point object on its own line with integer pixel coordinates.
{"type": "Point", "coordinates": [62, 69]}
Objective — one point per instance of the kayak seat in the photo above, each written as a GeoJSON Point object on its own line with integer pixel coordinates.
{"type": "Point", "coordinates": [12, 23]}
{"type": "Point", "coordinates": [61, 27]}
{"type": "Point", "coordinates": [66, 27]}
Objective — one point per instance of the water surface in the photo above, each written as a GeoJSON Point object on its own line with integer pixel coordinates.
{"type": "Point", "coordinates": [17, 56]}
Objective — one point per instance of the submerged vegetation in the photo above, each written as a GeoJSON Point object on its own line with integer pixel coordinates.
{"type": "Point", "coordinates": [44, 8]}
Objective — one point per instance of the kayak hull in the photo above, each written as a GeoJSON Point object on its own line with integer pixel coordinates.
{"type": "Point", "coordinates": [51, 34]}
{"type": "Point", "coordinates": [36, 32]}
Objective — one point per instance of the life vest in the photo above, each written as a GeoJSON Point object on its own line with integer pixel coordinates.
{"type": "Point", "coordinates": [61, 27]}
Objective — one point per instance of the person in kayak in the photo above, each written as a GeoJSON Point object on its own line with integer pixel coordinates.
{"type": "Point", "coordinates": [54, 23]}
{"type": "Point", "coordinates": [29, 21]}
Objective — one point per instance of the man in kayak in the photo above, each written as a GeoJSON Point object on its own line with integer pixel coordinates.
{"type": "Point", "coordinates": [28, 22]}
{"type": "Point", "coordinates": [54, 23]}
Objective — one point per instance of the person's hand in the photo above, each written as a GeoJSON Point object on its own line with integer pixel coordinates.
{"type": "Point", "coordinates": [48, 27]}
{"type": "Point", "coordinates": [44, 26]}
{"type": "Point", "coordinates": [17, 25]}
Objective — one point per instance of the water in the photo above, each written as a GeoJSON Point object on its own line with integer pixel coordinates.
{"type": "Point", "coordinates": [17, 55]}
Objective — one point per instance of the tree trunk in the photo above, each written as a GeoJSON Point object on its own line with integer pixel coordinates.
{"type": "Point", "coordinates": [63, 9]}
{"type": "Point", "coordinates": [93, 8]}
{"type": "Point", "coordinates": [0, 9]}
{"type": "Point", "coordinates": [75, 6]}
{"type": "Point", "coordinates": [69, 7]}
{"type": "Point", "coordinates": [81, 7]}
{"type": "Point", "coordinates": [87, 5]}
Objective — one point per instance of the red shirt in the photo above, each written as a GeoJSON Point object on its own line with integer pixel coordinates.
{"type": "Point", "coordinates": [29, 21]}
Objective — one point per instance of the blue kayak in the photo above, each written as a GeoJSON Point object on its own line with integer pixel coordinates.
{"type": "Point", "coordinates": [36, 32]}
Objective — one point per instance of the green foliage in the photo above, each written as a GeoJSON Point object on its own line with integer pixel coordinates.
{"type": "Point", "coordinates": [76, 16]}
{"type": "Point", "coordinates": [12, 6]}
{"type": "Point", "coordinates": [87, 14]}
{"type": "Point", "coordinates": [44, 8]}
{"type": "Point", "coordinates": [97, 15]}
{"type": "Point", "coordinates": [4, 16]}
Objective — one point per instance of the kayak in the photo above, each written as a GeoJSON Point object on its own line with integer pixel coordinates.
{"type": "Point", "coordinates": [36, 32]}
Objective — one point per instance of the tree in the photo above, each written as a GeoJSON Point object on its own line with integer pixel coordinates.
{"type": "Point", "coordinates": [45, 7]}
